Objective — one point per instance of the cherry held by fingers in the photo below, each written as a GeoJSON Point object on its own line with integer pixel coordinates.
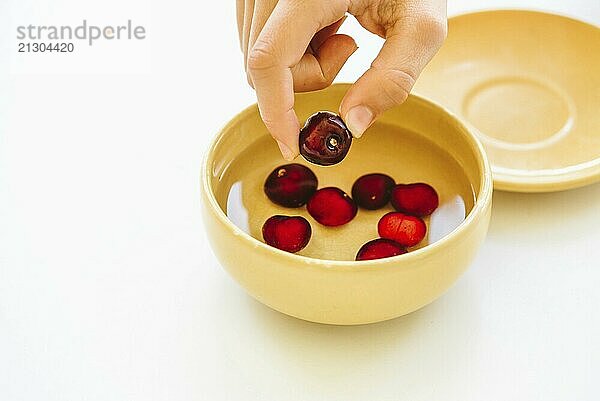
{"type": "Point", "coordinates": [324, 139]}
{"type": "Point", "coordinates": [288, 233]}
{"type": "Point", "coordinates": [405, 229]}
{"type": "Point", "coordinates": [372, 191]}
{"type": "Point", "coordinates": [291, 185]}
{"type": "Point", "coordinates": [331, 207]}
{"type": "Point", "coordinates": [380, 248]}
{"type": "Point", "coordinates": [418, 199]}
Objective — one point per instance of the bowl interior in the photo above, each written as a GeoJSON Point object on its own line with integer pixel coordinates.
{"type": "Point", "coordinates": [417, 142]}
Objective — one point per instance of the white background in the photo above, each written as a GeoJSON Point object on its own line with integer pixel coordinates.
{"type": "Point", "coordinates": [109, 291]}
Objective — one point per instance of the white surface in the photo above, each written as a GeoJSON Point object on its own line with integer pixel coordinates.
{"type": "Point", "coordinates": [109, 291]}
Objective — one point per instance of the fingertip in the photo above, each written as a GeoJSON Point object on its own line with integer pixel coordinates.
{"type": "Point", "coordinates": [285, 133]}
{"type": "Point", "coordinates": [344, 43]}
{"type": "Point", "coordinates": [286, 152]}
{"type": "Point", "coordinates": [333, 54]}
{"type": "Point", "coordinates": [371, 95]}
{"type": "Point", "coordinates": [358, 119]}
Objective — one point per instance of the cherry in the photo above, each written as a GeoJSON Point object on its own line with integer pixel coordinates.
{"type": "Point", "coordinates": [405, 229]}
{"type": "Point", "coordinates": [380, 248]}
{"type": "Point", "coordinates": [418, 199]}
{"type": "Point", "coordinates": [372, 191]}
{"type": "Point", "coordinates": [291, 185]}
{"type": "Point", "coordinates": [324, 139]}
{"type": "Point", "coordinates": [331, 207]}
{"type": "Point", "coordinates": [288, 233]}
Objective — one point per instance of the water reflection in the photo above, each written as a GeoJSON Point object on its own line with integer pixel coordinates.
{"type": "Point", "coordinates": [236, 211]}
{"type": "Point", "coordinates": [446, 218]}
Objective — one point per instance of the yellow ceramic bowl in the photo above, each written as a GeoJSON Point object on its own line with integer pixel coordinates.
{"type": "Point", "coordinates": [418, 141]}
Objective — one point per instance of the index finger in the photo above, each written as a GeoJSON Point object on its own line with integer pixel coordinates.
{"type": "Point", "coordinates": [280, 45]}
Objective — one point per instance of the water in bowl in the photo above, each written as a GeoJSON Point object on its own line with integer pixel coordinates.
{"type": "Point", "coordinates": [404, 155]}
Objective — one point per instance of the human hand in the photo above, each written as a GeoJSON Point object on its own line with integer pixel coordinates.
{"type": "Point", "coordinates": [292, 45]}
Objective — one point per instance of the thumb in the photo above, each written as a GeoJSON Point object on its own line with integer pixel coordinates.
{"type": "Point", "coordinates": [393, 73]}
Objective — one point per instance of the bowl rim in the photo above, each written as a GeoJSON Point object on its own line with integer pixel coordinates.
{"type": "Point", "coordinates": [530, 10]}
{"type": "Point", "coordinates": [482, 200]}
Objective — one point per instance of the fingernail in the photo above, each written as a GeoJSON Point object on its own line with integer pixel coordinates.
{"type": "Point", "coordinates": [288, 154]}
{"type": "Point", "coordinates": [358, 119]}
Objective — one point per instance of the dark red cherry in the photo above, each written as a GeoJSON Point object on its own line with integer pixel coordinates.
{"type": "Point", "coordinates": [372, 191]}
{"type": "Point", "coordinates": [288, 233]}
{"type": "Point", "coordinates": [405, 229]}
{"type": "Point", "coordinates": [291, 185]}
{"type": "Point", "coordinates": [380, 248]}
{"type": "Point", "coordinates": [324, 139]}
{"type": "Point", "coordinates": [331, 207]}
{"type": "Point", "coordinates": [418, 199]}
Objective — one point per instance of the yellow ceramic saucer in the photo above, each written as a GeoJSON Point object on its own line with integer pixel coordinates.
{"type": "Point", "coordinates": [529, 83]}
